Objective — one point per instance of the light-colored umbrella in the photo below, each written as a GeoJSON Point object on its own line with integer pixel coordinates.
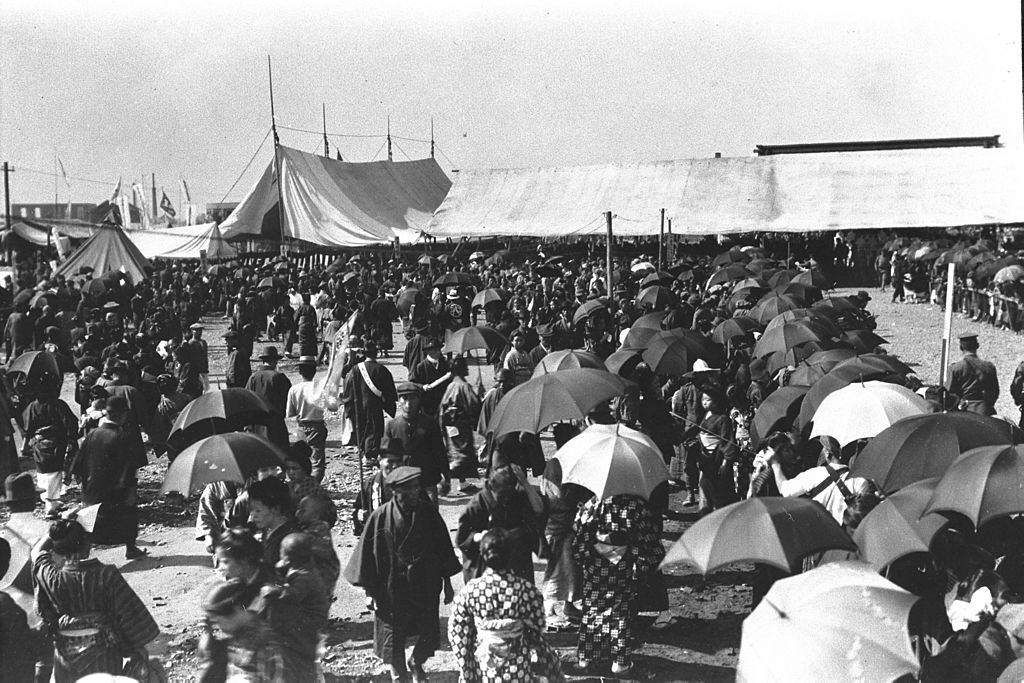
{"type": "Point", "coordinates": [568, 359]}
{"type": "Point", "coordinates": [839, 622]}
{"type": "Point", "coordinates": [643, 267]}
{"type": "Point", "coordinates": [862, 410]}
{"type": "Point", "coordinates": [478, 337]}
{"type": "Point", "coordinates": [769, 530]}
{"type": "Point", "coordinates": [613, 459]}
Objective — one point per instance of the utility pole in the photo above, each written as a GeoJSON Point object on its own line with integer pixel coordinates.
{"type": "Point", "coordinates": [7, 208]}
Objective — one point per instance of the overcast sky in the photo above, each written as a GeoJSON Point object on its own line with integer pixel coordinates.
{"type": "Point", "coordinates": [180, 89]}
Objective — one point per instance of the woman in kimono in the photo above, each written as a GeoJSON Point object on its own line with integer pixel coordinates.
{"type": "Point", "coordinates": [616, 548]}
{"type": "Point", "coordinates": [718, 453]}
{"type": "Point", "coordinates": [459, 411]}
{"type": "Point", "coordinates": [497, 622]}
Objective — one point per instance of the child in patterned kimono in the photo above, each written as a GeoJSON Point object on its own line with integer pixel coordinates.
{"type": "Point", "coordinates": [497, 622]}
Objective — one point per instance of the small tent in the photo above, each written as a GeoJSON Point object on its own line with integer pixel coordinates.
{"type": "Point", "coordinates": [108, 250]}
{"type": "Point", "coordinates": [333, 203]}
{"type": "Point", "coordinates": [185, 242]}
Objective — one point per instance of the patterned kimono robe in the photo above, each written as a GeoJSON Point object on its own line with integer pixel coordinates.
{"type": "Point", "coordinates": [495, 630]}
{"type": "Point", "coordinates": [616, 548]}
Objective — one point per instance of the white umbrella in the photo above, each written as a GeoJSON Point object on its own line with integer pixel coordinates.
{"type": "Point", "coordinates": [839, 622]}
{"type": "Point", "coordinates": [643, 267]}
{"type": "Point", "coordinates": [611, 460]}
{"type": "Point", "coordinates": [863, 409]}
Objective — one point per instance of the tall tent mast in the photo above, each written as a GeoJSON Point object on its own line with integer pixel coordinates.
{"type": "Point", "coordinates": [431, 137]}
{"type": "Point", "coordinates": [390, 158]}
{"type": "Point", "coordinates": [277, 155]}
{"type": "Point", "coordinates": [327, 145]}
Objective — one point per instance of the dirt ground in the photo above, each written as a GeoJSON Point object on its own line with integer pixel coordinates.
{"type": "Point", "coordinates": [703, 644]}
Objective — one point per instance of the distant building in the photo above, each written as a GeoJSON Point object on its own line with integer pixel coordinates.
{"type": "Point", "coordinates": [50, 211]}
{"type": "Point", "coordinates": [218, 211]}
{"type": "Point", "coordinates": [986, 141]}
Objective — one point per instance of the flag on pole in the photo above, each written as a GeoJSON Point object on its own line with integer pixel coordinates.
{"type": "Point", "coordinates": [185, 196]}
{"type": "Point", "coordinates": [166, 206]}
{"type": "Point", "coordinates": [338, 152]}
{"type": "Point", "coordinates": [140, 201]}
{"type": "Point", "coordinates": [117, 192]}
{"type": "Point", "coordinates": [125, 209]}
{"type": "Point", "coordinates": [331, 389]}
{"type": "Point", "coordinates": [64, 173]}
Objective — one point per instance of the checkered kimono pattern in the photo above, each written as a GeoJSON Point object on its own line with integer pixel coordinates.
{"type": "Point", "coordinates": [490, 598]}
{"type": "Point", "coordinates": [610, 588]}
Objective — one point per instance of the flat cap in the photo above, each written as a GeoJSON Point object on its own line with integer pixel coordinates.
{"type": "Point", "coordinates": [967, 336]}
{"type": "Point", "coordinates": [402, 475]}
{"type": "Point", "coordinates": [404, 388]}
{"type": "Point", "coordinates": [196, 326]}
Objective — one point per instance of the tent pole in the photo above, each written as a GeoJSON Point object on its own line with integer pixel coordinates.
{"type": "Point", "coordinates": [661, 239]}
{"type": "Point", "coordinates": [608, 255]}
{"type": "Point", "coordinates": [327, 145]}
{"type": "Point", "coordinates": [7, 214]}
{"type": "Point", "coordinates": [277, 156]}
{"type": "Point", "coordinates": [670, 252]}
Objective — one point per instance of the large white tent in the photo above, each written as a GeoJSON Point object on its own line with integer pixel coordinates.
{"type": "Point", "coordinates": [340, 204]}
{"type": "Point", "coordinates": [781, 193]}
{"type": "Point", "coordinates": [185, 242]}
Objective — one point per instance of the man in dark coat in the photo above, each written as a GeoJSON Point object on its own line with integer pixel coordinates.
{"type": "Point", "coordinates": [404, 559]}
{"type": "Point", "coordinates": [434, 374]}
{"type": "Point", "coordinates": [239, 369]}
{"type": "Point", "coordinates": [272, 386]}
{"type": "Point", "coordinates": [109, 479]}
{"type": "Point", "coordinates": [973, 380]}
{"type": "Point", "coordinates": [418, 436]}
{"type": "Point", "coordinates": [369, 393]}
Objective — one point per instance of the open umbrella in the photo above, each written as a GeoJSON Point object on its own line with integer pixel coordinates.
{"type": "Point", "coordinates": [587, 309]}
{"type": "Point", "coordinates": [784, 337]}
{"type": "Point", "coordinates": [924, 446]}
{"type": "Point", "coordinates": [982, 484]}
{"type": "Point", "coordinates": [782, 405]}
{"type": "Point", "coordinates": [898, 525]}
{"type": "Point", "coordinates": [477, 337]}
{"type": "Point", "coordinates": [781, 277]}
{"type": "Point", "coordinates": [813, 278]}
{"type": "Point", "coordinates": [497, 258]}
{"type": "Point", "coordinates": [749, 283]}
{"type": "Point", "coordinates": [655, 296]}
{"type": "Point", "coordinates": [546, 271]}
{"type": "Point", "coordinates": [734, 255]}
{"type": "Point", "coordinates": [538, 403]}
{"type": "Point", "coordinates": [97, 287]}
{"type": "Point", "coordinates": [568, 360]}
{"type": "Point", "coordinates": [477, 256]}
{"type": "Point", "coordinates": [729, 274]}
{"type": "Point", "coordinates": [623, 362]}
{"type": "Point", "coordinates": [427, 260]}
{"type": "Point", "coordinates": [735, 327]}
{"type": "Point", "coordinates": [806, 375]}
{"type": "Point", "coordinates": [657, 278]}
{"type": "Point", "coordinates": [673, 352]}
{"type": "Point", "coordinates": [650, 321]}
{"type": "Point", "coordinates": [803, 292]}
{"type": "Point", "coordinates": [40, 299]}
{"type": "Point", "coordinates": [217, 412]}
{"type": "Point", "coordinates": [455, 279]}
{"type": "Point", "coordinates": [830, 358]}
{"type": "Point", "coordinates": [613, 459]}
{"type": "Point", "coordinates": [776, 531]}
{"type": "Point", "coordinates": [777, 360]}
{"type": "Point", "coordinates": [822, 324]}
{"type": "Point", "coordinates": [870, 364]}
{"type": "Point", "coordinates": [267, 283]}
{"type": "Point", "coordinates": [863, 341]}
{"type": "Point", "coordinates": [838, 622]}
{"type": "Point", "coordinates": [862, 410]}
{"type": "Point", "coordinates": [222, 457]}
{"type": "Point", "coordinates": [1010, 273]}
{"type": "Point", "coordinates": [35, 364]}
{"type": "Point", "coordinates": [488, 296]}
{"type": "Point", "coordinates": [408, 298]}
{"type": "Point", "coordinates": [837, 379]}
{"type": "Point", "coordinates": [773, 304]}
{"type": "Point", "coordinates": [643, 267]}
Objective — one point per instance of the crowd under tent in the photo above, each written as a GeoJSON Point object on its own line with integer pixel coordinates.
{"type": "Point", "coordinates": [108, 250]}
{"type": "Point", "coordinates": [784, 193]}
{"type": "Point", "coordinates": [333, 204]}
{"type": "Point", "coordinates": [185, 242]}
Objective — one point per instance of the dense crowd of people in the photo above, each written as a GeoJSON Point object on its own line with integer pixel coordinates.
{"type": "Point", "coordinates": [138, 357]}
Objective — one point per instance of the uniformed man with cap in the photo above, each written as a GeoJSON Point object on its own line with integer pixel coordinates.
{"type": "Point", "coordinates": [419, 435]}
{"type": "Point", "coordinates": [973, 380]}
{"type": "Point", "coordinates": [199, 354]}
{"type": "Point", "coordinates": [403, 561]}
{"type": "Point", "coordinates": [433, 374]}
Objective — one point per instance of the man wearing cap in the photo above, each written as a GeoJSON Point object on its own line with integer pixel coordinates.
{"type": "Point", "coordinates": [373, 492]}
{"type": "Point", "coordinates": [303, 405]}
{"type": "Point", "coordinates": [199, 354]}
{"type": "Point", "coordinates": [434, 374]}
{"type": "Point", "coordinates": [369, 392]}
{"type": "Point", "coordinates": [415, 349]}
{"type": "Point", "coordinates": [239, 368]}
{"type": "Point", "coordinates": [973, 380]}
{"type": "Point", "coordinates": [272, 386]}
{"type": "Point", "coordinates": [404, 559]}
{"type": "Point", "coordinates": [419, 435]}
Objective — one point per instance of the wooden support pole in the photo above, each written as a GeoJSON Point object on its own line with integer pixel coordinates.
{"type": "Point", "coordinates": [947, 328]}
{"type": "Point", "coordinates": [608, 255]}
{"type": "Point", "coordinates": [661, 240]}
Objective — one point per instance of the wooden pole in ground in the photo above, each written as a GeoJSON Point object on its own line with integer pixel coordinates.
{"type": "Point", "coordinates": [661, 239]}
{"type": "Point", "coordinates": [608, 255]}
{"type": "Point", "coordinates": [947, 328]}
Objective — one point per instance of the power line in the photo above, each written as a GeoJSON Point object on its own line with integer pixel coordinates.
{"type": "Point", "coordinates": [320, 132]}
{"type": "Point", "coordinates": [51, 174]}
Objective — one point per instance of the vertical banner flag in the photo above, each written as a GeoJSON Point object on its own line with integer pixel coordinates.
{"type": "Point", "coordinates": [186, 200]}
{"type": "Point", "coordinates": [331, 390]}
{"type": "Point", "coordinates": [117, 192]}
{"type": "Point", "coordinates": [124, 205]}
{"type": "Point", "coordinates": [67, 183]}
{"type": "Point", "coordinates": [140, 201]}
{"type": "Point", "coordinates": [166, 206]}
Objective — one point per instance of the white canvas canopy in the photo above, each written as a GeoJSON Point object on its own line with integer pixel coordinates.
{"type": "Point", "coordinates": [185, 242]}
{"type": "Point", "coordinates": [340, 204]}
{"type": "Point", "coordinates": [782, 193]}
